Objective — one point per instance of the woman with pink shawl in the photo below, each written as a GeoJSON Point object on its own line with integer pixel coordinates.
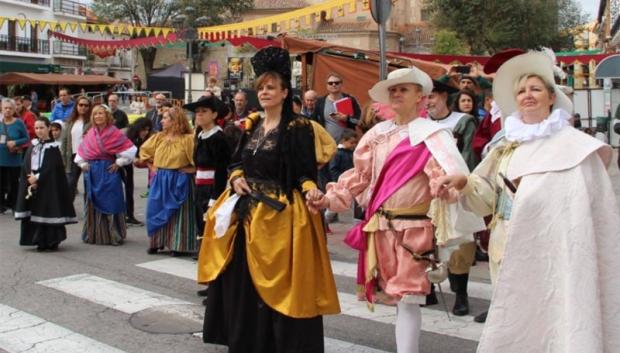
{"type": "Point", "coordinates": [104, 149]}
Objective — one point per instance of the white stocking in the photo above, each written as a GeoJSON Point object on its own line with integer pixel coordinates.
{"type": "Point", "coordinates": [408, 324]}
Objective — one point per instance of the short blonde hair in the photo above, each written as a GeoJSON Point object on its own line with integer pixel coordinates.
{"type": "Point", "coordinates": [518, 83]}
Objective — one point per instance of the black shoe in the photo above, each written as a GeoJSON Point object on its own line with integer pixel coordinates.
{"type": "Point", "coordinates": [202, 292]}
{"type": "Point", "coordinates": [151, 251]}
{"type": "Point", "coordinates": [458, 284]}
{"type": "Point", "coordinates": [133, 221]}
{"type": "Point", "coordinates": [53, 247]}
{"type": "Point", "coordinates": [481, 255]}
{"type": "Point", "coordinates": [431, 298]}
{"type": "Point", "coordinates": [481, 318]}
{"type": "Point", "coordinates": [41, 248]}
{"type": "Point", "coordinates": [461, 305]}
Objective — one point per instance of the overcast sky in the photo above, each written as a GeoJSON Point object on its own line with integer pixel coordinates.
{"type": "Point", "coordinates": [590, 7]}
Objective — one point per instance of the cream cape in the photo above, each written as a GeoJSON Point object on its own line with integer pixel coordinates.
{"type": "Point", "coordinates": [558, 286]}
{"type": "Point", "coordinates": [453, 224]}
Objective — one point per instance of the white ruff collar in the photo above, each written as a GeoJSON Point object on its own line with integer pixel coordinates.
{"type": "Point", "coordinates": [517, 130]}
{"type": "Point", "coordinates": [203, 135]}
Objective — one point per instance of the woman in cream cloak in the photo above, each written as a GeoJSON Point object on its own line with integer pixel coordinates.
{"type": "Point", "coordinates": [554, 242]}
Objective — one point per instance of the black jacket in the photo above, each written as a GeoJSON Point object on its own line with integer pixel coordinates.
{"type": "Point", "coordinates": [319, 110]}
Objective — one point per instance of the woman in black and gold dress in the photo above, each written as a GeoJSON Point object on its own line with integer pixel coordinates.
{"type": "Point", "coordinates": [268, 270]}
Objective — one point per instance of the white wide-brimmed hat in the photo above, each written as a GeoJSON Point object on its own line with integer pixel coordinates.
{"type": "Point", "coordinates": [531, 63]}
{"type": "Point", "coordinates": [379, 92]}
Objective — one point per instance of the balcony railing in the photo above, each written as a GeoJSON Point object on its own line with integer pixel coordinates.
{"type": "Point", "coordinates": [70, 7]}
{"type": "Point", "coordinates": [37, 2]}
{"type": "Point", "coordinates": [24, 44]}
{"type": "Point", "coordinates": [60, 48]}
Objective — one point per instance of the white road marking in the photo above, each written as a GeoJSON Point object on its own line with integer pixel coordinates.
{"type": "Point", "coordinates": [21, 332]}
{"type": "Point", "coordinates": [112, 294]}
{"type": "Point", "coordinates": [434, 321]}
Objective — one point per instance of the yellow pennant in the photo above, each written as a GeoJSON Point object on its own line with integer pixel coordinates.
{"type": "Point", "coordinates": [73, 26]}
{"type": "Point", "coordinates": [21, 24]}
{"type": "Point", "coordinates": [83, 27]}
{"type": "Point", "coordinates": [2, 20]}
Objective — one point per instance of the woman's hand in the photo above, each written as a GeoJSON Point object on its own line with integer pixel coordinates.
{"type": "Point", "coordinates": [316, 200]}
{"type": "Point", "coordinates": [188, 170]}
{"type": "Point", "coordinates": [113, 168]}
{"type": "Point", "coordinates": [32, 180]}
{"type": "Point", "coordinates": [85, 167]}
{"type": "Point", "coordinates": [241, 187]}
{"type": "Point", "coordinates": [10, 144]}
{"type": "Point", "coordinates": [442, 185]}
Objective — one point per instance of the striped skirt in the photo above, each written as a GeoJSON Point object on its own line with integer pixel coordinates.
{"type": "Point", "coordinates": [103, 229]}
{"type": "Point", "coordinates": [179, 234]}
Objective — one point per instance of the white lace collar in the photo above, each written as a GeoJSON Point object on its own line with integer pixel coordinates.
{"type": "Point", "coordinates": [203, 135]}
{"type": "Point", "coordinates": [517, 130]}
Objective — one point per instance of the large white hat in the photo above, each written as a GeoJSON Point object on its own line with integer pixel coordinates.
{"type": "Point", "coordinates": [531, 63]}
{"type": "Point", "coordinates": [379, 92]}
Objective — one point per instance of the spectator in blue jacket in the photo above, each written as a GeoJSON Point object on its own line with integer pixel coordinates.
{"type": "Point", "coordinates": [64, 107]}
{"type": "Point", "coordinates": [13, 140]}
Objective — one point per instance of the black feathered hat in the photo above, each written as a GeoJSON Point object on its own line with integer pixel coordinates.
{"type": "Point", "coordinates": [272, 59]}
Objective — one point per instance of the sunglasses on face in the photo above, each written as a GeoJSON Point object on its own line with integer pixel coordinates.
{"type": "Point", "coordinates": [334, 83]}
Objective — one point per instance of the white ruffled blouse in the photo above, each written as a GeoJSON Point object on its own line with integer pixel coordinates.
{"type": "Point", "coordinates": [518, 131]}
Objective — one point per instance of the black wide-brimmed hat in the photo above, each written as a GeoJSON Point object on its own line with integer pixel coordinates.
{"type": "Point", "coordinates": [272, 59]}
{"type": "Point", "coordinates": [210, 102]}
{"type": "Point", "coordinates": [439, 86]}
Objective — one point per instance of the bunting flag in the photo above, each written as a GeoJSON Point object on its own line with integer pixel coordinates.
{"type": "Point", "coordinates": [115, 44]}
{"type": "Point", "coordinates": [263, 25]}
{"type": "Point", "coordinates": [292, 20]}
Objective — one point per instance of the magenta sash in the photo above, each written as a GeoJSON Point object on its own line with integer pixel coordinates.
{"type": "Point", "coordinates": [403, 163]}
{"type": "Point", "coordinates": [103, 144]}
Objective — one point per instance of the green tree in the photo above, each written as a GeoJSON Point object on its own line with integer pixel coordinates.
{"type": "Point", "coordinates": [489, 26]}
{"type": "Point", "coordinates": [448, 43]}
{"type": "Point", "coordinates": [159, 13]}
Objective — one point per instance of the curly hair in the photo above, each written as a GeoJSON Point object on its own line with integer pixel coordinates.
{"type": "Point", "coordinates": [180, 121]}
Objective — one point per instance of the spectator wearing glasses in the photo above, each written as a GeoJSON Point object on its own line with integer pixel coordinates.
{"type": "Point", "coordinates": [64, 107]}
{"type": "Point", "coordinates": [325, 112]}
{"type": "Point", "coordinates": [72, 133]}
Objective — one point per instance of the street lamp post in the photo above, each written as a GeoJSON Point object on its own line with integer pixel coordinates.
{"type": "Point", "coordinates": [186, 23]}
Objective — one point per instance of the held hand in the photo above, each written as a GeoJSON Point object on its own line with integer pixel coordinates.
{"type": "Point", "coordinates": [10, 144]}
{"type": "Point", "coordinates": [85, 167]}
{"type": "Point", "coordinates": [113, 168]}
{"type": "Point", "coordinates": [32, 179]}
{"type": "Point", "coordinates": [241, 186]}
{"type": "Point", "coordinates": [442, 185]}
{"type": "Point", "coordinates": [316, 200]}
{"type": "Point", "coordinates": [340, 116]}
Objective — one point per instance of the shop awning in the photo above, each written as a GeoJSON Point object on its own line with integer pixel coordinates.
{"type": "Point", "coordinates": [14, 78]}
{"type": "Point", "coordinates": [9, 66]}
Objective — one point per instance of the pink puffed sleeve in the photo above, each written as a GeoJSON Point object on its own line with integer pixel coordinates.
{"type": "Point", "coordinates": [355, 180]}
{"type": "Point", "coordinates": [433, 170]}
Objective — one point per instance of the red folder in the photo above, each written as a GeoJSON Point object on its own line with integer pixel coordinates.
{"type": "Point", "coordinates": [344, 106]}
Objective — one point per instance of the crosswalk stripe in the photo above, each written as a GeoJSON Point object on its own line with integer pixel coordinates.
{"type": "Point", "coordinates": [433, 320]}
{"type": "Point", "coordinates": [129, 300]}
{"type": "Point", "coordinates": [187, 269]}
{"type": "Point", "coordinates": [112, 294]}
{"type": "Point", "coordinates": [474, 289]}
{"type": "Point", "coordinates": [333, 345]}
{"type": "Point", "coordinates": [21, 332]}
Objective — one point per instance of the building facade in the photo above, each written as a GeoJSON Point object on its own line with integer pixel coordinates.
{"type": "Point", "coordinates": [28, 48]}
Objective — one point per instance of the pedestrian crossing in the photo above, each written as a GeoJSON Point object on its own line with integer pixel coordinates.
{"type": "Point", "coordinates": [21, 331]}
